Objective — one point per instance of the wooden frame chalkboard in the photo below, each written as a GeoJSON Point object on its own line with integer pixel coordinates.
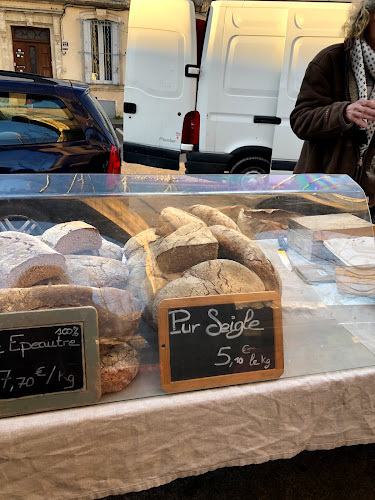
{"type": "Point", "coordinates": [49, 359]}
{"type": "Point", "coordinates": [220, 340]}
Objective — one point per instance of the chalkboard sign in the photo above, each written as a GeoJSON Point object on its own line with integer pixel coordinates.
{"type": "Point", "coordinates": [220, 340]}
{"type": "Point", "coordinates": [48, 359]}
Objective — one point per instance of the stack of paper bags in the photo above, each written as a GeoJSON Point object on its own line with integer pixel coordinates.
{"type": "Point", "coordinates": [357, 274]}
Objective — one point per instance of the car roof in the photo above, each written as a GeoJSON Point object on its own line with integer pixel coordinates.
{"type": "Point", "coordinates": [13, 76]}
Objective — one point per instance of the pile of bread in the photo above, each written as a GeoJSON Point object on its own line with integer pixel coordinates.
{"type": "Point", "coordinates": [71, 265]}
{"type": "Point", "coordinates": [197, 252]}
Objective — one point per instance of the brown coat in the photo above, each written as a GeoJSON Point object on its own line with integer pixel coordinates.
{"type": "Point", "coordinates": [331, 145]}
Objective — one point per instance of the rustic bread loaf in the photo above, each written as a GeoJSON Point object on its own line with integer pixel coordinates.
{"type": "Point", "coordinates": [139, 241]}
{"type": "Point", "coordinates": [172, 218]}
{"type": "Point", "coordinates": [232, 211]}
{"type": "Point", "coordinates": [91, 270]}
{"type": "Point", "coordinates": [146, 279]}
{"type": "Point", "coordinates": [118, 367]}
{"type": "Point", "coordinates": [215, 277]}
{"type": "Point", "coordinates": [71, 237]}
{"type": "Point", "coordinates": [227, 275]}
{"type": "Point", "coordinates": [236, 246]}
{"type": "Point", "coordinates": [269, 222]}
{"type": "Point", "coordinates": [118, 316]}
{"type": "Point", "coordinates": [212, 216]}
{"type": "Point", "coordinates": [185, 247]}
{"type": "Point", "coordinates": [25, 260]}
{"type": "Point", "coordinates": [108, 250]}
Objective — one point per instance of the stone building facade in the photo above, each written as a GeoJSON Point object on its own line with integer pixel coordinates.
{"type": "Point", "coordinates": [81, 40]}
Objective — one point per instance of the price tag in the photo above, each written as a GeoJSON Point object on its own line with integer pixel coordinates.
{"type": "Point", "coordinates": [48, 360]}
{"type": "Point", "coordinates": [220, 340]}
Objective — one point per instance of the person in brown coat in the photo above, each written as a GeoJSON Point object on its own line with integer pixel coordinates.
{"type": "Point", "coordinates": [335, 109]}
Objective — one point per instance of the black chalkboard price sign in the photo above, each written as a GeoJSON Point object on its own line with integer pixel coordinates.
{"type": "Point", "coordinates": [48, 359]}
{"type": "Point", "coordinates": [220, 340]}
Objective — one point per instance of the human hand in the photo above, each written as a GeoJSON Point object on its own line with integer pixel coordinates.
{"type": "Point", "coordinates": [360, 110]}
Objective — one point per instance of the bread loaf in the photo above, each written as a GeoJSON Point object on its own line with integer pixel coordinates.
{"type": "Point", "coordinates": [139, 242]}
{"type": "Point", "coordinates": [118, 367]}
{"type": "Point", "coordinates": [25, 260]}
{"type": "Point", "coordinates": [214, 277]}
{"type": "Point", "coordinates": [236, 246]}
{"type": "Point", "coordinates": [118, 316]}
{"type": "Point", "coordinates": [90, 270]}
{"type": "Point", "coordinates": [71, 237]}
{"type": "Point", "coordinates": [185, 247]}
{"type": "Point", "coordinates": [212, 216]}
{"type": "Point", "coordinates": [227, 275]}
{"type": "Point", "coordinates": [172, 218]}
{"type": "Point", "coordinates": [269, 222]}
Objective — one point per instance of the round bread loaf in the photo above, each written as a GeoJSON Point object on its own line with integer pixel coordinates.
{"type": "Point", "coordinates": [25, 260]}
{"type": "Point", "coordinates": [270, 222]}
{"type": "Point", "coordinates": [212, 216]}
{"type": "Point", "coordinates": [118, 367]}
{"type": "Point", "coordinates": [185, 247]}
{"type": "Point", "coordinates": [236, 246]}
{"type": "Point", "coordinates": [215, 277]}
{"type": "Point", "coordinates": [71, 237]}
{"type": "Point", "coordinates": [227, 275]}
{"type": "Point", "coordinates": [172, 218]}
{"type": "Point", "coordinates": [91, 270]}
{"type": "Point", "coordinates": [139, 242]}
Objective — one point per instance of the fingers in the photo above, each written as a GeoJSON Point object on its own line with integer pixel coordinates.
{"type": "Point", "coordinates": [359, 111]}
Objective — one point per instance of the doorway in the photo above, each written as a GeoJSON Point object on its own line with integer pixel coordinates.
{"type": "Point", "coordinates": [32, 50]}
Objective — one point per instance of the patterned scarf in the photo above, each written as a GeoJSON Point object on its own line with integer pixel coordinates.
{"type": "Point", "coordinates": [363, 60]}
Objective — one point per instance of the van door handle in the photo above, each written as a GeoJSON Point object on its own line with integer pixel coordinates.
{"type": "Point", "coordinates": [192, 70]}
{"type": "Point", "coordinates": [267, 119]}
{"type": "Point", "coordinates": [130, 108]}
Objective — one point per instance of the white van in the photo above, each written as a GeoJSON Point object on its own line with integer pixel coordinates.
{"type": "Point", "coordinates": [227, 100]}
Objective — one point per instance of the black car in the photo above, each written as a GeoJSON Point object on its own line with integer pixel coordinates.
{"type": "Point", "coordinates": [53, 126]}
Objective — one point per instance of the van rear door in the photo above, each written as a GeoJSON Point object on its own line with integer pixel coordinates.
{"type": "Point", "coordinates": [160, 80]}
{"type": "Point", "coordinates": [311, 27]}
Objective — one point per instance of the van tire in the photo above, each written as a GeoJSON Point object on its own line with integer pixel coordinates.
{"type": "Point", "coordinates": [251, 165]}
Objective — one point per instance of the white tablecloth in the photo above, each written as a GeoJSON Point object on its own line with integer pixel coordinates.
{"type": "Point", "coordinates": [128, 446]}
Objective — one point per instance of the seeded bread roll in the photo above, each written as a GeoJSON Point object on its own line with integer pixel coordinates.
{"type": "Point", "coordinates": [25, 260]}
{"type": "Point", "coordinates": [185, 247]}
{"type": "Point", "coordinates": [172, 218]}
{"type": "Point", "coordinates": [236, 246]}
{"type": "Point", "coordinates": [71, 237]}
{"type": "Point", "coordinates": [212, 216]}
{"type": "Point", "coordinates": [118, 316]}
{"type": "Point", "coordinates": [118, 367]}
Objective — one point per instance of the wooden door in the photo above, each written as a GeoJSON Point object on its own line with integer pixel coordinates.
{"type": "Point", "coordinates": [32, 50]}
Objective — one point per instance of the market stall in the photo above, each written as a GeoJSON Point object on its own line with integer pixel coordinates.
{"type": "Point", "coordinates": [285, 363]}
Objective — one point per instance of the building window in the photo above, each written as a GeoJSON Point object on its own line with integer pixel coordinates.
{"type": "Point", "coordinates": [101, 51]}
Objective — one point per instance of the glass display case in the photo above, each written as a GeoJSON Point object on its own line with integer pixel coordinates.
{"type": "Point", "coordinates": [192, 281]}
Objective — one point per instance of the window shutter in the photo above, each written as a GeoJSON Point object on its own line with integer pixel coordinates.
{"type": "Point", "coordinates": [87, 50]}
{"type": "Point", "coordinates": [115, 54]}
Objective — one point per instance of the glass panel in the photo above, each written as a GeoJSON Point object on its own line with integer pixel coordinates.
{"type": "Point", "coordinates": [34, 119]}
{"type": "Point", "coordinates": [239, 227]}
{"type": "Point", "coordinates": [21, 33]}
{"type": "Point", "coordinates": [33, 60]}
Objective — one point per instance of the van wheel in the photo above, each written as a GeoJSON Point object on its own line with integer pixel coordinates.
{"type": "Point", "coordinates": [21, 224]}
{"type": "Point", "coordinates": [251, 165]}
